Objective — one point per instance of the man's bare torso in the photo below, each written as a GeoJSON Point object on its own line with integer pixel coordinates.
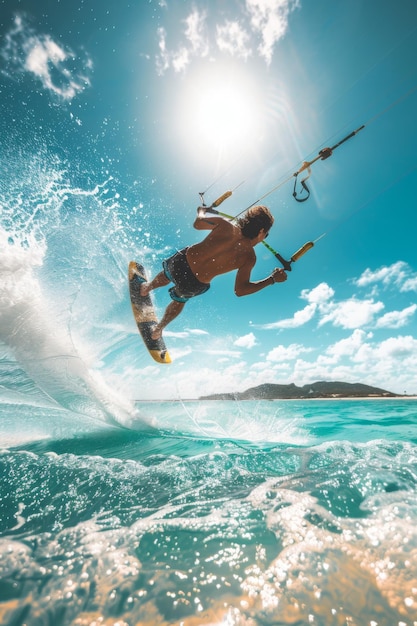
{"type": "Point", "coordinates": [223, 250]}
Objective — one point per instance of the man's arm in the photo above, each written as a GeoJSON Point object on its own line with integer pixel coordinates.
{"type": "Point", "coordinates": [244, 286]}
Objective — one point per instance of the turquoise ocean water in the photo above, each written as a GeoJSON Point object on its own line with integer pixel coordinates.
{"type": "Point", "coordinates": [311, 520]}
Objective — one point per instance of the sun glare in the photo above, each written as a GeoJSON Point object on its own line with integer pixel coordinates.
{"type": "Point", "coordinates": [221, 113]}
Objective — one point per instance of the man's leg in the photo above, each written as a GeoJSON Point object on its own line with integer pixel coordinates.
{"type": "Point", "coordinates": [173, 309]}
{"type": "Point", "coordinates": [160, 280]}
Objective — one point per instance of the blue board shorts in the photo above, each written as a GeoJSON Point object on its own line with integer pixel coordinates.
{"type": "Point", "coordinates": [178, 271]}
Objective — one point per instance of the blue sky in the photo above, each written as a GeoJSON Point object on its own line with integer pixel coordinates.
{"type": "Point", "coordinates": [150, 103]}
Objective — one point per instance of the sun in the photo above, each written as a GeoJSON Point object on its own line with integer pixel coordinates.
{"type": "Point", "coordinates": [221, 112]}
{"type": "Point", "coordinates": [224, 114]}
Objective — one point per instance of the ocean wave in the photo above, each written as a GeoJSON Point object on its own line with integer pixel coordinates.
{"type": "Point", "coordinates": [244, 537]}
{"type": "Point", "coordinates": [47, 287]}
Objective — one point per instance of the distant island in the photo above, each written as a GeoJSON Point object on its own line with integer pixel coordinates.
{"type": "Point", "coordinates": [321, 389]}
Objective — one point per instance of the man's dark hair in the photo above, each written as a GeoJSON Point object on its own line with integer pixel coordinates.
{"type": "Point", "coordinates": [255, 218]}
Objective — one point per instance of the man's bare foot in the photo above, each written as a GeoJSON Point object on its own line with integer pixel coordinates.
{"type": "Point", "coordinates": [157, 332]}
{"type": "Point", "coordinates": [144, 289]}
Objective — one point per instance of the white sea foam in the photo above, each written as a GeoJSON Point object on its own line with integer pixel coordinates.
{"type": "Point", "coordinates": [43, 348]}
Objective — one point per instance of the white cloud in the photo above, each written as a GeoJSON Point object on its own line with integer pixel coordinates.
{"type": "Point", "coordinates": [396, 319]}
{"type": "Point", "coordinates": [352, 313]}
{"type": "Point", "coordinates": [246, 341]}
{"type": "Point", "coordinates": [180, 59]}
{"type": "Point", "coordinates": [266, 20]}
{"type": "Point", "coordinates": [410, 284]}
{"type": "Point", "coordinates": [184, 334]}
{"type": "Point", "coordinates": [398, 348]}
{"type": "Point", "coordinates": [388, 274]}
{"type": "Point", "coordinates": [222, 352]}
{"type": "Point", "coordinates": [299, 319]}
{"type": "Point", "coordinates": [398, 274]}
{"type": "Point", "coordinates": [269, 18]}
{"type": "Point", "coordinates": [319, 295]}
{"type": "Point", "coordinates": [286, 353]}
{"type": "Point", "coordinates": [390, 364]}
{"type": "Point", "coordinates": [201, 380]}
{"type": "Point", "coordinates": [196, 331]}
{"type": "Point", "coordinates": [196, 44]}
{"type": "Point", "coordinates": [60, 71]}
{"type": "Point", "coordinates": [233, 39]}
{"type": "Point", "coordinates": [195, 32]}
{"type": "Point", "coordinates": [348, 346]}
{"type": "Point", "coordinates": [162, 59]}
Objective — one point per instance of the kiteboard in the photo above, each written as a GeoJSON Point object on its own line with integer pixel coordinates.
{"type": "Point", "coordinates": [144, 314]}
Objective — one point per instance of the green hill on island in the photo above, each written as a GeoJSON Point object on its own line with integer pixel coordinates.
{"type": "Point", "coordinates": [320, 389]}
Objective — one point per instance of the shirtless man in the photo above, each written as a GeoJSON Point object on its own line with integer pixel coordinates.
{"type": "Point", "coordinates": [229, 246]}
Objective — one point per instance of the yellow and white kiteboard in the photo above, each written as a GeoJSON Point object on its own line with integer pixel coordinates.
{"type": "Point", "coordinates": [144, 314]}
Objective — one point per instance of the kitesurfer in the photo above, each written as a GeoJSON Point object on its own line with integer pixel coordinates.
{"type": "Point", "coordinates": [229, 246]}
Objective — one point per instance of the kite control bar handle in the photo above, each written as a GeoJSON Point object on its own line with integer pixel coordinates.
{"type": "Point", "coordinates": [287, 264]}
{"type": "Point", "coordinates": [305, 248]}
{"type": "Point", "coordinates": [216, 203]}
{"type": "Point", "coordinates": [222, 198]}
